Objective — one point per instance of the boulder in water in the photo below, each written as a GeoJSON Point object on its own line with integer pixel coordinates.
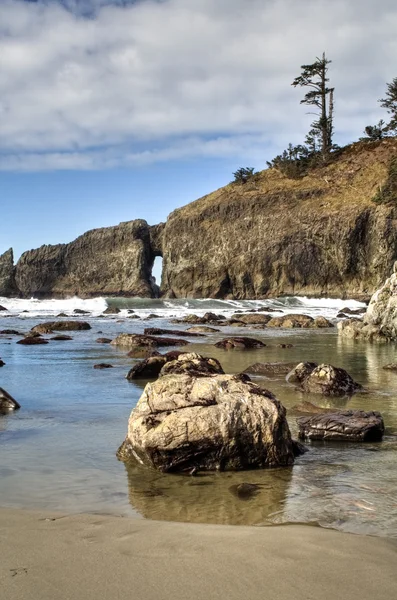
{"type": "Point", "coordinates": [192, 364]}
{"type": "Point", "coordinates": [239, 343]}
{"type": "Point", "coordinates": [270, 369]}
{"type": "Point", "coordinates": [343, 426]}
{"type": "Point", "coordinates": [208, 423]}
{"type": "Point", "coordinates": [61, 326]}
{"type": "Point", "coordinates": [7, 402]}
{"type": "Point", "coordinates": [131, 340]}
{"type": "Point", "coordinates": [325, 379]}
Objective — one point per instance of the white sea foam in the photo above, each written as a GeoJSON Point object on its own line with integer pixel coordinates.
{"type": "Point", "coordinates": [52, 307]}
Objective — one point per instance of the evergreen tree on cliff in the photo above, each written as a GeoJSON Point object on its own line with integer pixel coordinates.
{"type": "Point", "coordinates": [390, 104]}
{"type": "Point", "coordinates": [321, 96]}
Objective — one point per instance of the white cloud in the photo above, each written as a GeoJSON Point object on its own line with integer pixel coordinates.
{"type": "Point", "coordinates": [139, 82]}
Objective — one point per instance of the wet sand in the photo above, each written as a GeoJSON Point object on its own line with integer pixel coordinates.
{"type": "Point", "coordinates": [51, 556]}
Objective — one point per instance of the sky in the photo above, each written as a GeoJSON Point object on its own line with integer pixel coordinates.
{"type": "Point", "coordinates": [112, 110]}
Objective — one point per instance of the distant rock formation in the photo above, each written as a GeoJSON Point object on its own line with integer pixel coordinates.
{"type": "Point", "coordinates": [7, 281]}
{"type": "Point", "coordinates": [112, 261]}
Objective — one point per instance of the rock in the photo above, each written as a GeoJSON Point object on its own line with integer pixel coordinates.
{"type": "Point", "coordinates": [133, 317]}
{"type": "Point", "coordinates": [79, 311]}
{"type": "Point", "coordinates": [103, 340]}
{"type": "Point", "coordinates": [192, 364]}
{"type": "Point", "coordinates": [202, 329]}
{"type": "Point", "coordinates": [130, 311]}
{"type": "Point", "coordinates": [10, 332]}
{"type": "Point", "coordinates": [302, 371]}
{"type": "Point", "coordinates": [285, 346]}
{"type": "Point", "coordinates": [152, 316]}
{"type": "Point", "coordinates": [240, 343]}
{"type": "Point", "coordinates": [111, 310]}
{"type": "Point", "coordinates": [343, 426]}
{"type": "Point", "coordinates": [270, 369]}
{"type": "Point", "coordinates": [390, 367]}
{"type": "Point", "coordinates": [322, 322]}
{"type": "Point", "coordinates": [61, 338]}
{"type": "Point", "coordinates": [2, 363]}
{"type": "Point", "coordinates": [130, 340]}
{"type": "Point", "coordinates": [61, 326]}
{"type": "Point", "coordinates": [37, 330]}
{"type": "Point", "coordinates": [32, 341]}
{"type": "Point", "coordinates": [7, 271]}
{"type": "Point", "coordinates": [292, 321]}
{"type": "Point", "coordinates": [103, 366]}
{"type": "Point", "coordinates": [245, 491]}
{"type": "Point", "coordinates": [3, 308]}
{"type": "Point", "coordinates": [7, 402]}
{"type": "Point", "coordinates": [210, 316]}
{"type": "Point", "coordinates": [158, 331]}
{"type": "Point", "coordinates": [111, 261]}
{"type": "Point", "coordinates": [207, 423]}
{"type": "Point", "coordinates": [309, 407]}
{"type": "Point", "coordinates": [148, 368]}
{"type": "Point", "coordinates": [207, 318]}
{"type": "Point", "coordinates": [326, 380]}
{"type": "Point", "coordinates": [36, 334]}
{"type": "Point", "coordinates": [252, 319]}
{"type": "Point", "coordinates": [62, 314]}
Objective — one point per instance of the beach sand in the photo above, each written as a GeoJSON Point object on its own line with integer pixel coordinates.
{"type": "Point", "coordinates": [46, 556]}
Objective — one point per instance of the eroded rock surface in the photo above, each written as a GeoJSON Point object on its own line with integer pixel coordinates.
{"type": "Point", "coordinates": [346, 426]}
{"type": "Point", "coordinates": [239, 343]}
{"type": "Point", "coordinates": [192, 364]}
{"type": "Point", "coordinates": [270, 369]}
{"type": "Point", "coordinates": [61, 326]}
{"type": "Point", "coordinates": [220, 422]}
{"type": "Point", "coordinates": [325, 379]}
{"type": "Point", "coordinates": [131, 340]}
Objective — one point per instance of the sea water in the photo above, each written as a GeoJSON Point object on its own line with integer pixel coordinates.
{"type": "Point", "coordinates": [59, 451]}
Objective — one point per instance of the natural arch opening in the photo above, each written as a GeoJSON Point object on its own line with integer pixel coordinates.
{"type": "Point", "coordinates": [157, 269]}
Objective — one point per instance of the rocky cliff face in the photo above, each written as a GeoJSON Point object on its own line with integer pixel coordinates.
{"type": "Point", "coordinates": [7, 282]}
{"type": "Point", "coordinates": [320, 235]}
{"type": "Point", "coordinates": [111, 261]}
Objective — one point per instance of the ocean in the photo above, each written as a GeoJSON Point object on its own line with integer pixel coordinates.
{"type": "Point", "coordinates": [59, 451]}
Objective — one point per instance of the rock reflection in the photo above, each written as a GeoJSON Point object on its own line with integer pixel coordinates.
{"type": "Point", "coordinates": [242, 498]}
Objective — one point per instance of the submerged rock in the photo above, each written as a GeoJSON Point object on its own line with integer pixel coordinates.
{"type": "Point", "coordinates": [346, 426]}
{"type": "Point", "coordinates": [206, 423]}
{"type": "Point", "coordinates": [240, 343]}
{"type": "Point", "coordinates": [103, 366]}
{"type": "Point", "coordinates": [325, 379]}
{"type": "Point", "coordinates": [61, 338]}
{"type": "Point", "coordinates": [32, 341]}
{"type": "Point", "coordinates": [202, 329]}
{"type": "Point", "coordinates": [390, 367]}
{"type": "Point", "coordinates": [270, 369]}
{"type": "Point", "coordinates": [103, 340]}
{"type": "Point", "coordinates": [7, 402]}
{"type": "Point", "coordinates": [181, 333]}
{"type": "Point", "coordinates": [310, 408]}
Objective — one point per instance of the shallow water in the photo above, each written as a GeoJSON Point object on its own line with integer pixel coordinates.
{"type": "Point", "coordinates": [58, 451]}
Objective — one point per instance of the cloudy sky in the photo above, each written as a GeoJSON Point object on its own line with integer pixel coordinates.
{"type": "Point", "coordinates": [117, 109]}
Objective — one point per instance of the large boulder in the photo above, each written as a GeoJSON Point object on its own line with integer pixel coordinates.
{"type": "Point", "coordinates": [206, 423]}
{"type": "Point", "coordinates": [325, 379]}
{"type": "Point", "coordinates": [61, 326]}
{"type": "Point", "coordinates": [291, 321]}
{"type": "Point", "coordinates": [344, 426]}
{"type": "Point", "coordinates": [7, 402]}
{"type": "Point", "coordinates": [380, 320]}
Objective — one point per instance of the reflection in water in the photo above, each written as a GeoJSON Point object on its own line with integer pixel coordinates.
{"type": "Point", "coordinates": [209, 497]}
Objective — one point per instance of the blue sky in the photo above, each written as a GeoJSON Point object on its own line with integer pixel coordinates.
{"type": "Point", "coordinates": [115, 110]}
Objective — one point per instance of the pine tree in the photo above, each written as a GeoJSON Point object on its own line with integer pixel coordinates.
{"type": "Point", "coordinates": [390, 104]}
{"type": "Point", "coordinates": [321, 96]}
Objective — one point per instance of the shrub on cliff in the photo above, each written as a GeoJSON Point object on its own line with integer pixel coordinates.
{"type": "Point", "coordinates": [244, 174]}
{"type": "Point", "coordinates": [293, 162]}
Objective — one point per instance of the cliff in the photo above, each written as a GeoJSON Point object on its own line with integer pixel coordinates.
{"type": "Point", "coordinates": [319, 235]}
{"type": "Point", "coordinates": [7, 282]}
{"type": "Point", "coordinates": [111, 261]}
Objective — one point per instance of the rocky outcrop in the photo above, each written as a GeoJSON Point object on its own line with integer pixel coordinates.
{"type": "Point", "coordinates": [184, 423]}
{"type": "Point", "coordinates": [380, 320]}
{"type": "Point", "coordinates": [112, 261]}
{"type": "Point", "coordinates": [282, 236]}
{"type": "Point", "coordinates": [325, 379]}
{"type": "Point", "coordinates": [343, 426]}
{"type": "Point", "coordinates": [7, 281]}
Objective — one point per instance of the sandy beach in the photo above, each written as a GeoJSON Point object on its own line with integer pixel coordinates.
{"type": "Point", "coordinates": [57, 557]}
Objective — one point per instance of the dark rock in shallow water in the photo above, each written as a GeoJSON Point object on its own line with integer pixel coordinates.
{"type": "Point", "coordinates": [131, 340]}
{"type": "Point", "coordinates": [61, 338]}
{"type": "Point", "coordinates": [208, 423]}
{"type": "Point", "coordinates": [103, 366]}
{"type": "Point", "coordinates": [62, 326]}
{"type": "Point", "coordinates": [251, 319]}
{"type": "Point", "coordinates": [158, 331]}
{"type": "Point", "coordinates": [390, 367]}
{"type": "Point", "coordinates": [62, 314]}
{"type": "Point", "coordinates": [10, 332]}
{"type": "Point", "coordinates": [103, 341]}
{"type": "Point", "coordinates": [202, 329]}
{"type": "Point", "coordinates": [7, 402]}
{"type": "Point", "coordinates": [142, 352]}
{"type": "Point", "coordinates": [2, 363]}
{"type": "Point", "coordinates": [270, 369]}
{"type": "Point", "coordinates": [192, 364]}
{"type": "Point", "coordinates": [245, 491]}
{"type": "Point", "coordinates": [148, 368]}
{"type": "Point", "coordinates": [79, 311]}
{"type": "Point", "coordinates": [32, 341]}
{"type": "Point", "coordinates": [344, 426]}
{"type": "Point", "coordinates": [3, 308]}
{"type": "Point", "coordinates": [111, 310]}
{"type": "Point", "coordinates": [325, 379]}
{"type": "Point", "coordinates": [239, 343]}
